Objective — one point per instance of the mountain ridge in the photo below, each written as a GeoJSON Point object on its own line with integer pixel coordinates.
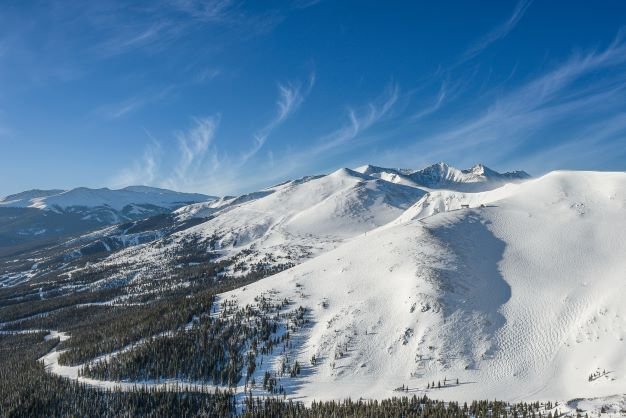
{"type": "Point", "coordinates": [441, 175]}
{"type": "Point", "coordinates": [88, 197]}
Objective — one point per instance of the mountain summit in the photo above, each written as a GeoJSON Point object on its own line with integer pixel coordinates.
{"type": "Point", "coordinates": [442, 175]}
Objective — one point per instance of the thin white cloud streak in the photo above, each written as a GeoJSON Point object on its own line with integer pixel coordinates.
{"type": "Point", "coordinates": [358, 122]}
{"type": "Point", "coordinates": [198, 165]}
{"type": "Point", "coordinates": [132, 38]}
{"type": "Point", "coordinates": [594, 147]}
{"type": "Point", "coordinates": [499, 32]}
{"type": "Point", "coordinates": [143, 170]}
{"type": "Point", "coordinates": [196, 154]}
{"type": "Point", "coordinates": [225, 13]}
{"type": "Point", "coordinates": [583, 97]}
{"type": "Point", "coordinates": [290, 98]}
{"type": "Point", "coordinates": [205, 10]}
{"type": "Point", "coordinates": [207, 75]}
{"type": "Point", "coordinates": [195, 159]}
{"type": "Point", "coordinates": [116, 28]}
{"type": "Point", "coordinates": [435, 106]}
{"type": "Point", "coordinates": [133, 104]}
{"type": "Point", "coordinates": [201, 168]}
{"type": "Point", "coordinates": [304, 4]}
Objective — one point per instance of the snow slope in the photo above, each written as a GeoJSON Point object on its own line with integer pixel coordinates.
{"type": "Point", "coordinates": [519, 299]}
{"type": "Point", "coordinates": [307, 214]}
{"type": "Point", "coordinates": [300, 219]}
{"type": "Point", "coordinates": [293, 221]}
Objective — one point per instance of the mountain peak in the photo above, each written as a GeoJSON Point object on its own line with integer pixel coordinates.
{"type": "Point", "coordinates": [368, 169]}
{"type": "Point", "coordinates": [478, 168]}
{"type": "Point", "coordinates": [347, 172]}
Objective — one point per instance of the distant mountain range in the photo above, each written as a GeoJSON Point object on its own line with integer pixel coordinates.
{"type": "Point", "coordinates": [129, 199]}
{"type": "Point", "coordinates": [441, 175]}
{"type": "Point", "coordinates": [39, 216]}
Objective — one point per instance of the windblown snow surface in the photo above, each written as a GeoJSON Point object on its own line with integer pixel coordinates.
{"type": "Point", "coordinates": [520, 296]}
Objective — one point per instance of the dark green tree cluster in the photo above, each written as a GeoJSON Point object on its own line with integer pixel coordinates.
{"type": "Point", "coordinates": [138, 322]}
{"type": "Point", "coordinates": [214, 349]}
{"type": "Point", "coordinates": [26, 390]}
{"type": "Point", "coordinates": [406, 407]}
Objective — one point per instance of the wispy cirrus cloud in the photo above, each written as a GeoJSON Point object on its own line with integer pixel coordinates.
{"type": "Point", "coordinates": [205, 10]}
{"type": "Point", "coordinates": [134, 103]}
{"type": "Point", "coordinates": [144, 170]}
{"type": "Point", "coordinates": [195, 159]}
{"type": "Point", "coordinates": [597, 144]}
{"type": "Point", "coordinates": [207, 74]}
{"type": "Point", "coordinates": [81, 35]}
{"type": "Point", "coordinates": [498, 32]}
{"type": "Point", "coordinates": [157, 25]}
{"type": "Point", "coordinates": [582, 94]}
{"type": "Point", "coordinates": [442, 94]}
{"type": "Point", "coordinates": [359, 120]}
{"type": "Point", "coordinates": [290, 97]}
{"type": "Point", "coordinates": [198, 163]}
{"type": "Point", "coordinates": [303, 4]}
{"type": "Point", "coordinates": [194, 152]}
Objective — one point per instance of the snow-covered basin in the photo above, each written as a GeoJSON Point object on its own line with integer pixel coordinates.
{"type": "Point", "coordinates": [520, 299]}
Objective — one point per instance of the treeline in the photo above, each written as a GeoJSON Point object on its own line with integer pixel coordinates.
{"type": "Point", "coordinates": [26, 390]}
{"type": "Point", "coordinates": [17, 309]}
{"type": "Point", "coordinates": [98, 329]}
{"type": "Point", "coordinates": [219, 349]}
{"type": "Point", "coordinates": [405, 407]}
{"type": "Point", "coordinates": [126, 325]}
{"type": "Point", "coordinates": [123, 325]}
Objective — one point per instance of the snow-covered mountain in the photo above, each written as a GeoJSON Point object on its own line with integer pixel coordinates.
{"type": "Point", "coordinates": [519, 297]}
{"type": "Point", "coordinates": [134, 197]}
{"type": "Point", "coordinates": [50, 214]}
{"type": "Point", "coordinates": [443, 176]}
{"type": "Point", "coordinates": [287, 223]}
{"type": "Point", "coordinates": [511, 285]}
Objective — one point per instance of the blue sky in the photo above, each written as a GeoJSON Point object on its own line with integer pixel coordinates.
{"type": "Point", "coordinates": [223, 97]}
